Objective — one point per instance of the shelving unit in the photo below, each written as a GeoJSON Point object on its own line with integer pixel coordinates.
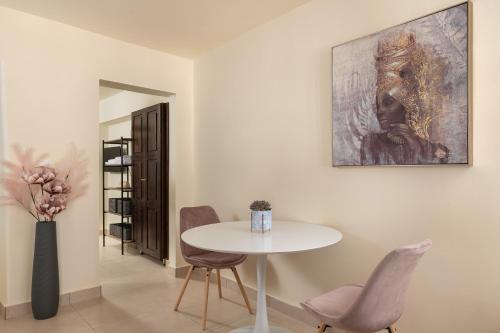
{"type": "Point", "coordinates": [125, 192]}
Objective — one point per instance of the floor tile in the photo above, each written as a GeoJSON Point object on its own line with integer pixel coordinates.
{"type": "Point", "coordinates": [139, 296]}
{"type": "Point", "coordinates": [66, 321]}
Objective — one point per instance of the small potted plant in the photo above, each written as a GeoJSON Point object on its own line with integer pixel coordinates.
{"type": "Point", "coordinates": [261, 216]}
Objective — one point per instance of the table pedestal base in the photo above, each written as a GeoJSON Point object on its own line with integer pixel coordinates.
{"type": "Point", "coordinates": [261, 320]}
{"type": "Point", "coordinates": [251, 329]}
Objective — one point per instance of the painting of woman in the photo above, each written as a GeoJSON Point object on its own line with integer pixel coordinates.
{"type": "Point", "coordinates": [400, 96]}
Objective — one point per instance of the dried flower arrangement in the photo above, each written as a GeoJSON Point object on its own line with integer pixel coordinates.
{"type": "Point", "coordinates": [41, 189]}
{"type": "Point", "coordinates": [260, 205]}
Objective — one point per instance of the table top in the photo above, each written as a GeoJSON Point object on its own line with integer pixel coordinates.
{"type": "Point", "coordinates": [284, 237]}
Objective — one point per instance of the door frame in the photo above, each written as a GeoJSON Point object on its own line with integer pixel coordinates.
{"type": "Point", "coordinates": [171, 196]}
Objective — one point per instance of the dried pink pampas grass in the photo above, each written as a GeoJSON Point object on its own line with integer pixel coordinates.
{"type": "Point", "coordinates": [72, 169]}
{"type": "Point", "coordinates": [42, 190]}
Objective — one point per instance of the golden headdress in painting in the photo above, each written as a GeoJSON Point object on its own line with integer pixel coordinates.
{"type": "Point", "coordinates": [414, 76]}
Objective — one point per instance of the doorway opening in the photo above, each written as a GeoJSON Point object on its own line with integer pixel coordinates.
{"type": "Point", "coordinates": [134, 171]}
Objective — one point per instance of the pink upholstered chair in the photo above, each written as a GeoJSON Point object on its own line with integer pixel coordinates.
{"type": "Point", "coordinates": [192, 217]}
{"type": "Point", "coordinates": [376, 306]}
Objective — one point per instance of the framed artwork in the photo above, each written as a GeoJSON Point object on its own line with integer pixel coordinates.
{"type": "Point", "coordinates": [402, 96]}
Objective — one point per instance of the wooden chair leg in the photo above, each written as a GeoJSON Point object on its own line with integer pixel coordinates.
{"type": "Point", "coordinates": [392, 329]}
{"type": "Point", "coordinates": [186, 281]}
{"type": "Point", "coordinates": [219, 283]}
{"type": "Point", "coordinates": [205, 308]}
{"type": "Point", "coordinates": [242, 289]}
{"type": "Point", "coordinates": [321, 328]}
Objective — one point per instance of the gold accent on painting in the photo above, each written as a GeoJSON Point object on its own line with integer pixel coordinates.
{"type": "Point", "coordinates": [412, 74]}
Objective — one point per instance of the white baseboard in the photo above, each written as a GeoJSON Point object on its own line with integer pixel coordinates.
{"type": "Point", "coordinates": [290, 310]}
{"type": "Point", "coordinates": [178, 272]}
{"type": "Point", "coordinates": [17, 310]}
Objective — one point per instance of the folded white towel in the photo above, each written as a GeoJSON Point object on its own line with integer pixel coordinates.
{"type": "Point", "coordinates": [127, 160]}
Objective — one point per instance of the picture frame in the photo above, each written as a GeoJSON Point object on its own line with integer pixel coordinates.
{"type": "Point", "coordinates": [423, 67]}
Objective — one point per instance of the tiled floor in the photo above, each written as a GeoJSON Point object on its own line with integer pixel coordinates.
{"type": "Point", "coordinates": [138, 296]}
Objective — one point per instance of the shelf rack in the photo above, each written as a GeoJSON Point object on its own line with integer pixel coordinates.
{"type": "Point", "coordinates": [125, 192]}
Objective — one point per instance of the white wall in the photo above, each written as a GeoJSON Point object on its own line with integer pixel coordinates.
{"type": "Point", "coordinates": [52, 74]}
{"type": "Point", "coordinates": [263, 131]}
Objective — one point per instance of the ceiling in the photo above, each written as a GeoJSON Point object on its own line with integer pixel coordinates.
{"type": "Point", "coordinates": [187, 28]}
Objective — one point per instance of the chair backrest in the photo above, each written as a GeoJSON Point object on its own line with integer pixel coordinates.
{"type": "Point", "coordinates": [381, 302]}
{"type": "Point", "coordinates": [192, 217]}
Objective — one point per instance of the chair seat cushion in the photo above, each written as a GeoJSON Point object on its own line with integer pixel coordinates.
{"type": "Point", "coordinates": [330, 307]}
{"type": "Point", "coordinates": [216, 260]}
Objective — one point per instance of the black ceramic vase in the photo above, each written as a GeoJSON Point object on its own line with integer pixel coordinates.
{"type": "Point", "coordinates": [45, 279]}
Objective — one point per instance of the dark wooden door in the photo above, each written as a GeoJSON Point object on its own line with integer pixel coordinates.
{"type": "Point", "coordinates": [150, 180]}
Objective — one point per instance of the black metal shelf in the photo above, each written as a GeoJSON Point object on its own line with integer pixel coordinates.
{"type": "Point", "coordinates": [125, 191]}
{"type": "Point", "coordinates": [115, 168]}
{"type": "Point", "coordinates": [119, 214]}
{"type": "Point", "coordinates": [117, 141]}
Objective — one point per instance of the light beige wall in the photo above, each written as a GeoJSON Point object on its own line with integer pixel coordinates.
{"type": "Point", "coordinates": [52, 74]}
{"type": "Point", "coordinates": [263, 131]}
{"type": "Point", "coordinates": [3, 226]}
{"type": "Point", "coordinates": [3, 257]}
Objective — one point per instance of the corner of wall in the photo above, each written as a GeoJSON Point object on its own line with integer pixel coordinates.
{"type": "Point", "coordinates": [173, 204]}
{"type": "Point", "coordinates": [3, 261]}
{"type": "Point", "coordinates": [3, 221]}
{"type": "Point", "coordinates": [3, 268]}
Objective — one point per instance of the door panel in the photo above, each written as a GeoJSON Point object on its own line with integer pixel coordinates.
{"type": "Point", "coordinates": [137, 131]}
{"type": "Point", "coordinates": [150, 180]}
{"type": "Point", "coordinates": [153, 230]}
{"type": "Point", "coordinates": [138, 188]}
{"type": "Point", "coordinates": [153, 130]}
{"type": "Point", "coordinates": [153, 203]}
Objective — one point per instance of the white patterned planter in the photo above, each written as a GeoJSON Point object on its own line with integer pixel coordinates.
{"type": "Point", "coordinates": [261, 221]}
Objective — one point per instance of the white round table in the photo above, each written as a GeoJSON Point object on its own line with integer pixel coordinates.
{"type": "Point", "coordinates": [285, 237]}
